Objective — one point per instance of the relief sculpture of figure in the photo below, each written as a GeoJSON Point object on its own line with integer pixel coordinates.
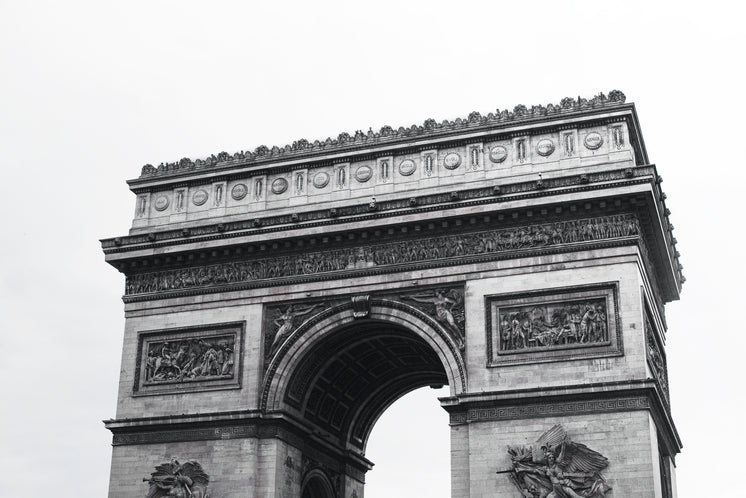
{"type": "Point", "coordinates": [189, 360]}
{"type": "Point", "coordinates": [443, 312]}
{"type": "Point", "coordinates": [445, 246]}
{"type": "Point", "coordinates": [599, 325]}
{"type": "Point", "coordinates": [178, 481]}
{"type": "Point", "coordinates": [286, 322]}
{"type": "Point", "coordinates": [556, 467]}
{"type": "Point", "coordinates": [588, 324]}
{"type": "Point", "coordinates": [552, 325]}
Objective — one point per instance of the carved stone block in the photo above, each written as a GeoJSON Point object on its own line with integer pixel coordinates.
{"type": "Point", "coordinates": [656, 356]}
{"type": "Point", "coordinates": [556, 466]}
{"type": "Point", "coordinates": [189, 359]}
{"type": "Point", "coordinates": [553, 325]}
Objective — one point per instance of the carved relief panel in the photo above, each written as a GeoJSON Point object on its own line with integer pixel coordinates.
{"type": "Point", "coordinates": [557, 466]}
{"type": "Point", "coordinates": [655, 355]}
{"type": "Point", "coordinates": [189, 359]}
{"type": "Point", "coordinates": [553, 325]}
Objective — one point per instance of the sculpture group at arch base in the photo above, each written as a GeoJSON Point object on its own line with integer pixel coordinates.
{"type": "Point", "coordinates": [278, 302]}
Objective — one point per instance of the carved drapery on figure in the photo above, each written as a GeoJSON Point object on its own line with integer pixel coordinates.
{"type": "Point", "coordinates": [446, 306]}
{"type": "Point", "coordinates": [395, 253]}
{"type": "Point", "coordinates": [173, 479]}
{"type": "Point", "coordinates": [556, 467]}
{"type": "Point", "coordinates": [188, 359]}
{"type": "Point", "coordinates": [285, 319]}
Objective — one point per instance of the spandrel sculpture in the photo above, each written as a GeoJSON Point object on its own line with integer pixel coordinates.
{"type": "Point", "coordinates": [556, 467]}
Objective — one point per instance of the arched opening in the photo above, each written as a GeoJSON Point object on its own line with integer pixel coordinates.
{"type": "Point", "coordinates": [348, 379]}
{"type": "Point", "coordinates": [337, 373]}
{"type": "Point", "coordinates": [411, 447]}
{"type": "Point", "coordinates": [316, 485]}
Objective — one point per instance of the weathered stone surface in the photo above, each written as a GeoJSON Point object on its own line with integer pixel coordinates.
{"type": "Point", "coordinates": [277, 301]}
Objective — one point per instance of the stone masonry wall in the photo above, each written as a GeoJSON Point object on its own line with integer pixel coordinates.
{"type": "Point", "coordinates": [231, 465]}
{"type": "Point", "coordinates": [627, 439]}
{"type": "Point", "coordinates": [631, 365]}
{"type": "Point", "coordinates": [208, 401]}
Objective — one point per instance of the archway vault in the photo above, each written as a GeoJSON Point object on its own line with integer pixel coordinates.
{"type": "Point", "coordinates": [316, 484]}
{"type": "Point", "coordinates": [339, 373]}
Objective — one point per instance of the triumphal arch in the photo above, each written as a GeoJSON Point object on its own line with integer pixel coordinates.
{"type": "Point", "coordinates": [278, 301]}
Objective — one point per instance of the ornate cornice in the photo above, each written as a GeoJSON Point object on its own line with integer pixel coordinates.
{"type": "Point", "coordinates": [238, 425]}
{"type": "Point", "coordinates": [288, 223]}
{"type": "Point", "coordinates": [552, 409]}
{"type": "Point", "coordinates": [386, 135]}
{"type": "Point", "coordinates": [563, 401]}
{"type": "Point", "coordinates": [117, 249]}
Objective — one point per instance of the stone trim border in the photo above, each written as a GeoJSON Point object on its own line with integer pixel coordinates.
{"type": "Point", "coordinates": [564, 401]}
{"type": "Point", "coordinates": [236, 425]}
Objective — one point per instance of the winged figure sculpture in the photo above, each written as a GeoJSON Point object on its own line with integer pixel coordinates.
{"type": "Point", "coordinates": [175, 480]}
{"type": "Point", "coordinates": [556, 467]}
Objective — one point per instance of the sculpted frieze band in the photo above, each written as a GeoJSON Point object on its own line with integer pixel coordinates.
{"type": "Point", "coordinates": [353, 258]}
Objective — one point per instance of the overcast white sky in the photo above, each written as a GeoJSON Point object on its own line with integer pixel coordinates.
{"type": "Point", "coordinates": [91, 91]}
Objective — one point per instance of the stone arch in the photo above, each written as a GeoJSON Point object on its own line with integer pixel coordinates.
{"type": "Point", "coordinates": [394, 349]}
{"type": "Point", "coordinates": [316, 484]}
